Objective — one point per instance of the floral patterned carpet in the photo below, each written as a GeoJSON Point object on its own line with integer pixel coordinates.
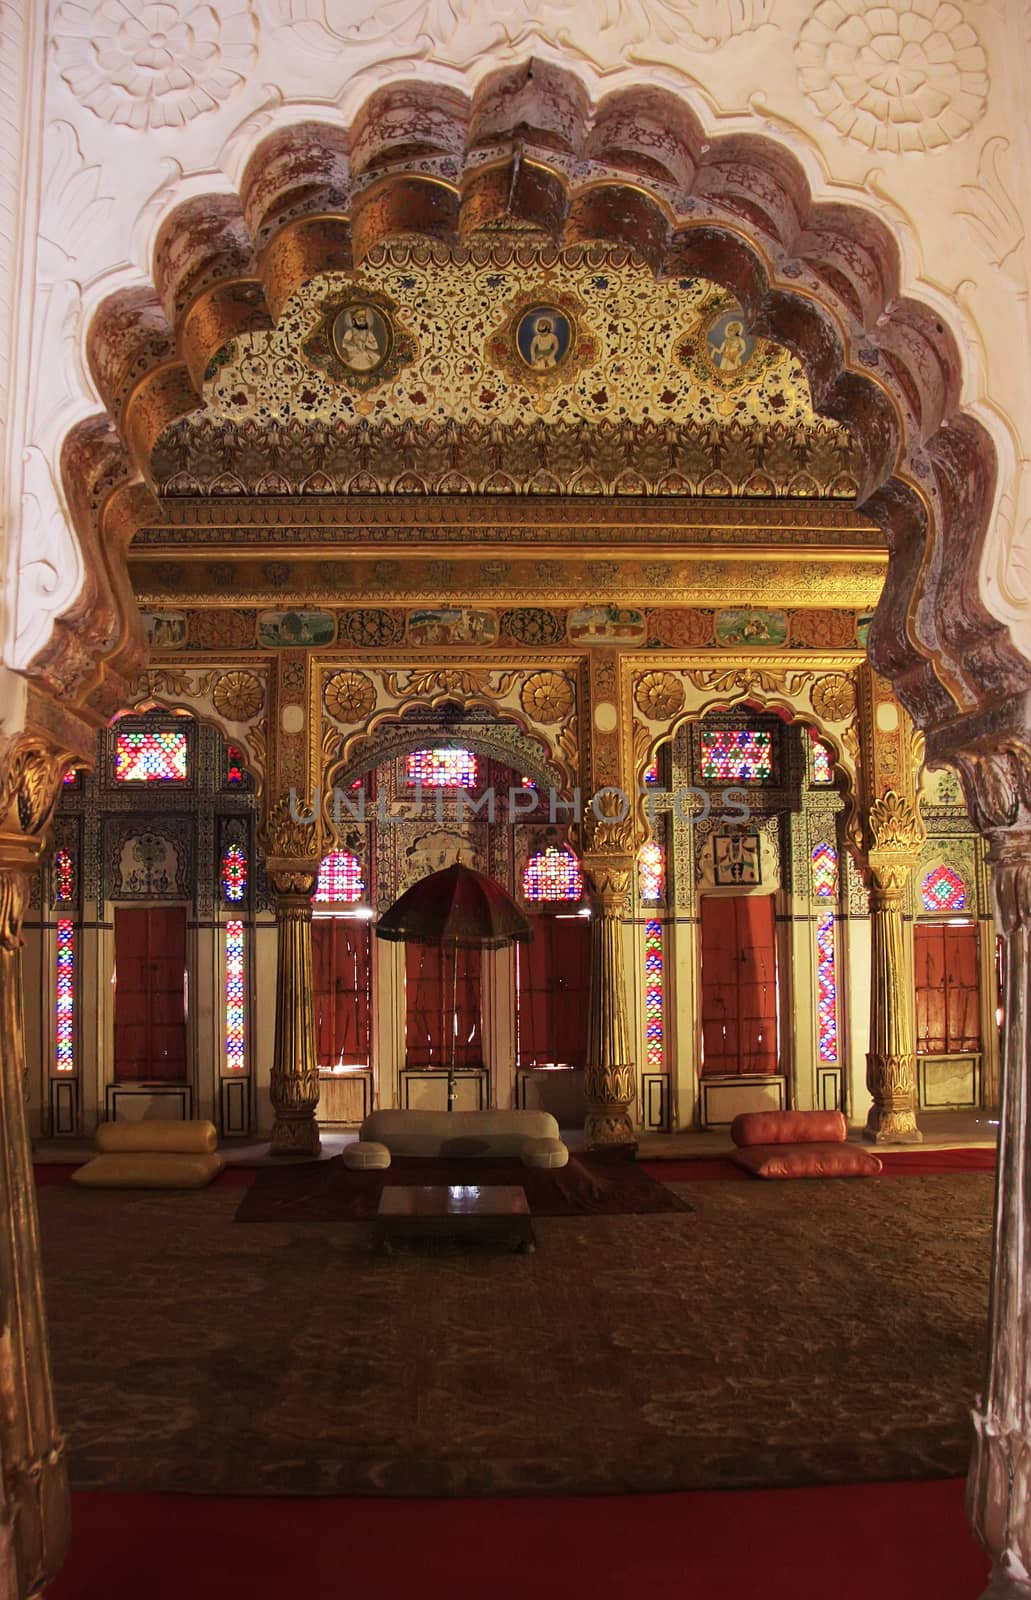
{"type": "Point", "coordinates": [779, 1334]}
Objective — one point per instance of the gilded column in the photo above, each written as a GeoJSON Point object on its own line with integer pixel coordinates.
{"type": "Point", "coordinates": [891, 1060]}
{"type": "Point", "coordinates": [610, 1077]}
{"type": "Point", "coordinates": [999, 1487]}
{"type": "Point", "coordinates": [34, 1508]}
{"type": "Point", "coordinates": [292, 864]}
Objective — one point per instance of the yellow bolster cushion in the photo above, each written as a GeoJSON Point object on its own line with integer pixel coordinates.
{"type": "Point", "coordinates": [156, 1133]}
{"type": "Point", "coordinates": [140, 1169]}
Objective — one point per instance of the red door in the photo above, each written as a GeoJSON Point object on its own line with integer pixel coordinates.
{"type": "Point", "coordinates": [553, 974]}
{"type": "Point", "coordinates": [739, 984]}
{"type": "Point", "coordinates": [341, 971]}
{"type": "Point", "coordinates": [150, 994]}
{"type": "Point", "coordinates": [429, 991]}
{"type": "Point", "coordinates": [948, 989]}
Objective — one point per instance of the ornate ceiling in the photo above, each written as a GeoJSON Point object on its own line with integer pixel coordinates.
{"type": "Point", "coordinates": [506, 366]}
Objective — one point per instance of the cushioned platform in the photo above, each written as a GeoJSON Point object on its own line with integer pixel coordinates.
{"type": "Point", "coordinates": [366, 1156]}
{"type": "Point", "coordinates": [457, 1133]}
{"type": "Point", "coordinates": [808, 1161]}
{"type": "Point", "coordinates": [545, 1153]}
{"type": "Point", "coordinates": [788, 1127]}
{"type": "Point", "coordinates": [141, 1169]}
{"type": "Point", "coordinates": [156, 1133]}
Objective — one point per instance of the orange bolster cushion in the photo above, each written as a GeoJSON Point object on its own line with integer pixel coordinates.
{"type": "Point", "coordinates": [788, 1127]}
{"type": "Point", "coordinates": [808, 1161]}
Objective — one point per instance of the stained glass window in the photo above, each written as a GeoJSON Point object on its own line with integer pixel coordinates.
{"type": "Point", "coordinates": [71, 776]}
{"type": "Point", "coordinates": [234, 873]}
{"type": "Point", "coordinates": [654, 975]}
{"type": "Point", "coordinates": [553, 874]}
{"type": "Point", "coordinates": [150, 756]}
{"type": "Point", "coordinates": [944, 890]}
{"type": "Point", "coordinates": [827, 989]}
{"type": "Point", "coordinates": [825, 871]}
{"type": "Point", "coordinates": [236, 997]}
{"type": "Point", "coordinates": [340, 878]}
{"type": "Point", "coordinates": [64, 875]}
{"type": "Point", "coordinates": [650, 871]}
{"type": "Point", "coordinates": [234, 765]}
{"type": "Point", "coordinates": [449, 768]}
{"type": "Point", "coordinates": [825, 887]}
{"type": "Point", "coordinates": [736, 755]}
{"type": "Point", "coordinates": [651, 771]}
{"type": "Point", "coordinates": [65, 995]}
{"type": "Point", "coordinates": [528, 783]}
{"type": "Point", "coordinates": [823, 761]}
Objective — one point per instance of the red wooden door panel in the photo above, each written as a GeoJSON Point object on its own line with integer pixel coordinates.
{"type": "Point", "coordinates": [428, 1007]}
{"type": "Point", "coordinates": [341, 971]}
{"type": "Point", "coordinates": [150, 998]}
{"type": "Point", "coordinates": [948, 988]}
{"type": "Point", "coordinates": [553, 976]}
{"type": "Point", "coordinates": [739, 984]}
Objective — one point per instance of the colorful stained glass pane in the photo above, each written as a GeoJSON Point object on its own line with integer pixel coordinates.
{"type": "Point", "coordinates": [823, 761]}
{"type": "Point", "coordinates": [825, 871]}
{"type": "Point", "coordinates": [651, 771]}
{"type": "Point", "coordinates": [553, 874]}
{"type": "Point", "coordinates": [236, 998]}
{"type": "Point", "coordinates": [449, 768]}
{"type": "Point", "coordinates": [654, 976]}
{"type": "Point", "coordinates": [234, 873]}
{"type": "Point", "coordinates": [64, 875]}
{"type": "Point", "coordinates": [65, 995]}
{"type": "Point", "coordinates": [71, 776]}
{"type": "Point", "coordinates": [827, 989]}
{"type": "Point", "coordinates": [944, 890]}
{"type": "Point", "coordinates": [651, 871]}
{"type": "Point", "coordinates": [340, 878]}
{"type": "Point", "coordinates": [736, 755]}
{"type": "Point", "coordinates": [150, 756]}
{"type": "Point", "coordinates": [234, 765]}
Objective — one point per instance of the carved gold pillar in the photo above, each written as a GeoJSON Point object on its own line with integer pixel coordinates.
{"type": "Point", "coordinates": [893, 835]}
{"type": "Point", "coordinates": [891, 1059]}
{"type": "Point", "coordinates": [292, 864]}
{"type": "Point", "coordinates": [34, 1509]}
{"type": "Point", "coordinates": [610, 1078]}
{"type": "Point", "coordinates": [999, 1488]}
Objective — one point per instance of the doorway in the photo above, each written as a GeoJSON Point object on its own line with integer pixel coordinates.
{"type": "Point", "coordinates": [150, 994]}
{"type": "Point", "coordinates": [739, 985]}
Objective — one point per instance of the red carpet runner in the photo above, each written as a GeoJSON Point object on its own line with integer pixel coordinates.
{"type": "Point", "coordinates": [897, 1164]}
{"type": "Point", "coordinates": [888, 1541]}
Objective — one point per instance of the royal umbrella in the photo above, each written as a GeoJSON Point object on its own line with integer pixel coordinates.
{"type": "Point", "coordinates": [453, 909]}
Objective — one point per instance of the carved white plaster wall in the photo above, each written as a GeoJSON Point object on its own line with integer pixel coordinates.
{"type": "Point", "coordinates": [915, 110]}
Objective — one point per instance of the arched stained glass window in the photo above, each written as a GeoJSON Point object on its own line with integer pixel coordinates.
{"type": "Point", "coordinates": [944, 890]}
{"type": "Point", "coordinates": [651, 771]}
{"type": "Point", "coordinates": [822, 759]}
{"type": "Point", "coordinates": [553, 874]}
{"type": "Point", "coordinates": [236, 998]}
{"type": "Point", "coordinates": [64, 876]}
{"type": "Point", "coordinates": [234, 766]}
{"type": "Point", "coordinates": [234, 873]}
{"type": "Point", "coordinates": [446, 768]}
{"type": "Point", "coordinates": [651, 871]}
{"type": "Point", "coordinates": [340, 878]}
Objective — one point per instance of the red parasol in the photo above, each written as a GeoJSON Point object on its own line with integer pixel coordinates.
{"type": "Point", "coordinates": [453, 908]}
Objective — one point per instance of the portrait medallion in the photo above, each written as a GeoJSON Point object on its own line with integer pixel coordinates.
{"type": "Point", "coordinates": [362, 336]}
{"type": "Point", "coordinates": [543, 336]}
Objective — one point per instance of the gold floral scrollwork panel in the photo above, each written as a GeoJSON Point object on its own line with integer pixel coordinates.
{"type": "Point", "coordinates": [834, 697]}
{"type": "Point", "coordinates": [659, 695]}
{"type": "Point", "coordinates": [349, 696]}
{"type": "Point", "coordinates": [547, 697]}
{"type": "Point", "coordinates": [237, 696]}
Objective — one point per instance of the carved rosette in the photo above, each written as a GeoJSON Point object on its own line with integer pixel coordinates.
{"type": "Point", "coordinates": [547, 697]}
{"type": "Point", "coordinates": [238, 696]}
{"type": "Point", "coordinates": [834, 698]}
{"type": "Point", "coordinates": [349, 696]}
{"type": "Point", "coordinates": [659, 696]}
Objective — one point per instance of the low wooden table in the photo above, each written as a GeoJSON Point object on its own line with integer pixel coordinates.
{"type": "Point", "coordinates": [496, 1213]}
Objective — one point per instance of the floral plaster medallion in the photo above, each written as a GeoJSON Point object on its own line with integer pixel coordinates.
{"type": "Point", "coordinates": [359, 342]}
{"type": "Point", "coordinates": [157, 65]}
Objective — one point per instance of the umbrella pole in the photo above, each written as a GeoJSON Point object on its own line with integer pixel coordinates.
{"type": "Point", "coordinates": [454, 1029]}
